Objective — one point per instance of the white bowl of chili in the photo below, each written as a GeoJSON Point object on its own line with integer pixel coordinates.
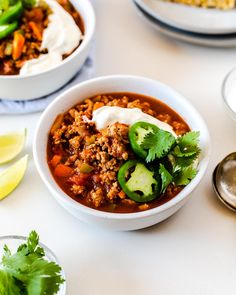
{"type": "Point", "coordinates": [174, 107]}
{"type": "Point", "coordinates": [38, 79]}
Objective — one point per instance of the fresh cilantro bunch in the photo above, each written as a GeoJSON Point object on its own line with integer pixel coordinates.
{"type": "Point", "coordinates": [174, 158]}
{"type": "Point", "coordinates": [27, 272]}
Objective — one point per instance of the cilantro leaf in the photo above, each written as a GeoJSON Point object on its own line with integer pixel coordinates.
{"type": "Point", "coordinates": [8, 284]}
{"type": "Point", "coordinates": [186, 161]}
{"type": "Point", "coordinates": [32, 244]}
{"type": "Point", "coordinates": [13, 262]}
{"type": "Point", "coordinates": [166, 177]}
{"type": "Point", "coordinates": [43, 277]}
{"type": "Point", "coordinates": [185, 175]}
{"type": "Point", "coordinates": [6, 250]}
{"type": "Point", "coordinates": [189, 138]}
{"type": "Point", "coordinates": [187, 145]}
{"type": "Point", "coordinates": [32, 241]}
{"type": "Point", "coordinates": [180, 162]}
{"type": "Point", "coordinates": [157, 144]}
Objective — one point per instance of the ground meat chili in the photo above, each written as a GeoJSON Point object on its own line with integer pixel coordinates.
{"type": "Point", "coordinates": [31, 26]}
{"type": "Point", "coordinates": [85, 162]}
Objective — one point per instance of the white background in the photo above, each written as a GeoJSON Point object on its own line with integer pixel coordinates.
{"type": "Point", "coordinates": [194, 251]}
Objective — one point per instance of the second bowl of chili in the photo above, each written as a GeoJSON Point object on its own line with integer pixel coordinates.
{"type": "Point", "coordinates": [38, 55]}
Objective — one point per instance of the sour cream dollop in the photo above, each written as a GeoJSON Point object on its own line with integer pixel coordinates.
{"type": "Point", "coordinates": [61, 36]}
{"type": "Point", "coordinates": [108, 115]}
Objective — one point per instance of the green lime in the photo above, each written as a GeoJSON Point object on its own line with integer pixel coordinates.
{"type": "Point", "coordinates": [11, 145]}
{"type": "Point", "coordinates": [12, 176]}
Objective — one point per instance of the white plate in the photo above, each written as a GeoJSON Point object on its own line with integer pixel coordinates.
{"type": "Point", "coordinates": [192, 19]}
{"type": "Point", "coordinates": [200, 39]}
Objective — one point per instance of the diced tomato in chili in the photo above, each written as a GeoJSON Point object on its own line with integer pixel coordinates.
{"type": "Point", "coordinates": [18, 45]}
{"type": "Point", "coordinates": [55, 160]}
{"type": "Point", "coordinates": [80, 179]}
{"type": "Point", "coordinates": [62, 170]}
{"type": "Point", "coordinates": [37, 14]}
{"type": "Point", "coordinates": [37, 31]}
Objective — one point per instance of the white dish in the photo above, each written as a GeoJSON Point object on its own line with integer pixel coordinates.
{"type": "Point", "coordinates": [227, 40]}
{"type": "Point", "coordinates": [228, 92]}
{"type": "Point", "coordinates": [109, 84]}
{"type": "Point", "coordinates": [37, 85]}
{"type": "Point", "coordinates": [192, 19]}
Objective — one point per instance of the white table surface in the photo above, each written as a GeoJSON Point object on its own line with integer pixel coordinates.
{"type": "Point", "coordinates": [194, 251]}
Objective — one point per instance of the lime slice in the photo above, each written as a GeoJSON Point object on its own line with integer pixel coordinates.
{"type": "Point", "coordinates": [11, 145]}
{"type": "Point", "coordinates": [12, 176]}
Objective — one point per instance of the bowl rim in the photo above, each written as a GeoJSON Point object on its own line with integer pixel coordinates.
{"type": "Point", "coordinates": [60, 194]}
{"type": "Point", "coordinates": [223, 90]}
{"type": "Point", "coordinates": [88, 35]}
{"type": "Point", "coordinates": [24, 238]}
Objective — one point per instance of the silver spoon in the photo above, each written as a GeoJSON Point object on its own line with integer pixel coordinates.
{"type": "Point", "coordinates": [224, 181]}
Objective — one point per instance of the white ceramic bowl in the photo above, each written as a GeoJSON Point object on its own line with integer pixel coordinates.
{"type": "Point", "coordinates": [32, 86]}
{"type": "Point", "coordinates": [127, 221]}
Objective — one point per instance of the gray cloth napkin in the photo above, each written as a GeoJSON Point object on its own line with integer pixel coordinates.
{"type": "Point", "coordinates": [39, 104]}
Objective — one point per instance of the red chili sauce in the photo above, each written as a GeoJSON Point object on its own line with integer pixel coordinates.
{"type": "Point", "coordinates": [84, 161]}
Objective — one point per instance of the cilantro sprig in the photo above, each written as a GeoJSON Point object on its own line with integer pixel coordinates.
{"type": "Point", "coordinates": [174, 158]}
{"type": "Point", "coordinates": [27, 272]}
{"type": "Point", "coordinates": [157, 144]}
{"type": "Point", "coordinates": [166, 177]}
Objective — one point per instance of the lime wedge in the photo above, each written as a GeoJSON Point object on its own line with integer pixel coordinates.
{"type": "Point", "coordinates": [11, 145]}
{"type": "Point", "coordinates": [12, 176]}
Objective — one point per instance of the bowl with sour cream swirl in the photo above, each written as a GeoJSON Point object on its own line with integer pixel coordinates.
{"type": "Point", "coordinates": [48, 46]}
{"type": "Point", "coordinates": [121, 152]}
